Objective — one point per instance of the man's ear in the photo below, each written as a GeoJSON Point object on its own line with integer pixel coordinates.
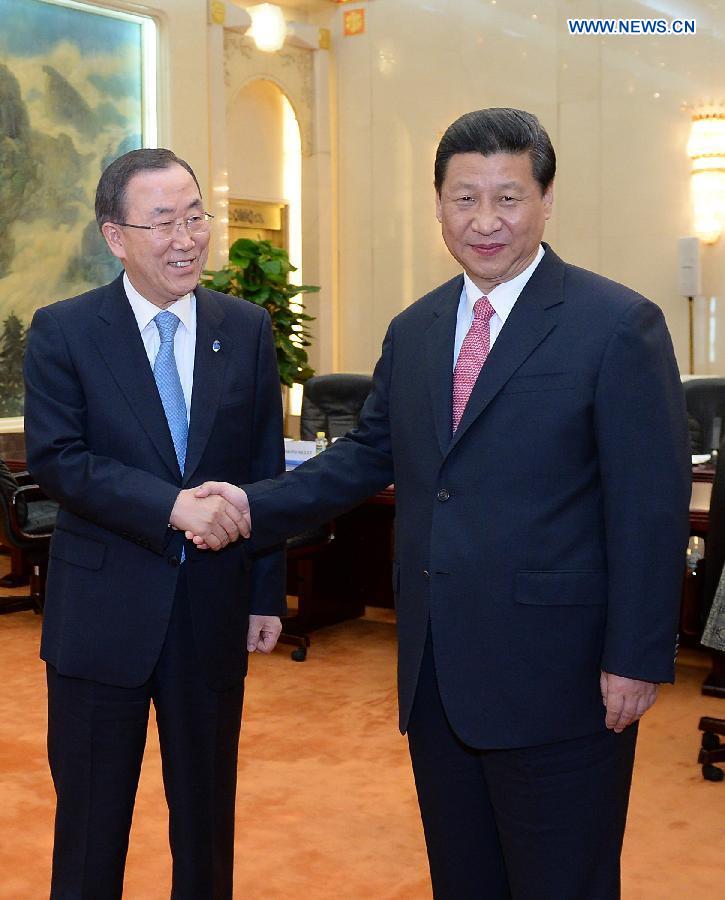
{"type": "Point", "coordinates": [114, 238]}
{"type": "Point", "coordinates": [439, 208]}
{"type": "Point", "coordinates": [548, 200]}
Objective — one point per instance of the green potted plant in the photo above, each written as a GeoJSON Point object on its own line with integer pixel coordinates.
{"type": "Point", "coordinates": [258, 272]}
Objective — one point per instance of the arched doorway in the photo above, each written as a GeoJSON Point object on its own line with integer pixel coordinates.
{"type": "Point", "coordinates": [264, 163]}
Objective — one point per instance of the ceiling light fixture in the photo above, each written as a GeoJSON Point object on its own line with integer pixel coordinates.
{"type": "Point", "coordinates": [269, 28]}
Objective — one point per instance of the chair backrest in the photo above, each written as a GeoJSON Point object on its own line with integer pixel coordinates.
{"type": "Point", "coordinates": [715, 538]}
{"type": "Point", "coordinates": [8, 486]}
{"type": "Point", "coordinates": [332, 403]}
{"type": "Point", "coordinates": [705, 399]}
{"type": "Point", "coordinates": [697, 440]}
{"type": "Point", "coordinates": [8, 482]}
{"type": "Point", "coordinates": [27, 516]}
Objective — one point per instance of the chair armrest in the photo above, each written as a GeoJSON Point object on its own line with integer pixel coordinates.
{"type": "Point", "coordinates": [312, 540]}
{"type": "Point", "coordinates": [18, 509]}
{"type": "Point", "coordinates": [29, 493]}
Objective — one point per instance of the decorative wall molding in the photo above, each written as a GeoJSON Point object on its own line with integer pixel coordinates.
{"type": "Point", "coordinates": [291, 69]}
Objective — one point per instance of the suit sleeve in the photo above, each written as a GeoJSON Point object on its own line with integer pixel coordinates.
{"type": "Point", "coordinates": [268, 570]}
{"type": "Point", "coordinates": [351, 469]}
{"type": "Point", "coordinates": [644, 458]}
{"type": "Point", "coordinates": [121, 498]}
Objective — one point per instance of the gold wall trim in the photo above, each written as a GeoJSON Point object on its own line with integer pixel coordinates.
{"type": "Point", "coordinates": [217, 12]}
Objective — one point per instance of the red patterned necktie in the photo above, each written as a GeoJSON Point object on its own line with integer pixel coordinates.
{"type": "Point", "coordinates": [471, 357]}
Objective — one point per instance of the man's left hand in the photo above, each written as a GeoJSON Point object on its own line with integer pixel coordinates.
{"type": "Point", "coordinates": [237, 505]}
{"type": "Point", "coordinates": [625, 699]}
{"type": "Point", "coordinates": [263, 633]}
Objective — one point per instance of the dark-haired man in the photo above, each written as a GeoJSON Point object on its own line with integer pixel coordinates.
{"type": "Point", "coordinates": [137, 392]}
{"type": "Point", "coordinates": [531, 416]}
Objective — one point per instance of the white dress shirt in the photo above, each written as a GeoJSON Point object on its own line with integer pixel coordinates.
{"type": "Point", "coordinates": [184, 339]}
{"type": "Point", "coordinates": [501, 298]}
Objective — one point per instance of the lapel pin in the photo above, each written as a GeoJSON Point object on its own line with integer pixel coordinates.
{"type": "Point", "coordinates": [216, 346]}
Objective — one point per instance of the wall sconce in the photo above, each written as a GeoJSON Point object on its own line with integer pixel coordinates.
{"type": "Point", "coordinates": [706, 148]}
{"type": "Point", "coordinates": [269, 28]}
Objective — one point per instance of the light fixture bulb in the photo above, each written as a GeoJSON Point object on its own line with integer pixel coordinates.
{"type": "Point", "coordinates": [706, 149]}
{"type": "Point", "coordinates": [269, 28]}
{"type": "Point", "coordinates": [708, 203]}
{"type": "Point", "coordinates": [707, 136]}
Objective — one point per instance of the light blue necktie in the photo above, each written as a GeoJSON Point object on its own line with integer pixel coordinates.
{"type": "Point", "coordinates": [169, 384]}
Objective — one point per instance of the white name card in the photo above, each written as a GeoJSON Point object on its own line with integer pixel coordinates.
{"type": "Point", "coordinates": [296, 452]}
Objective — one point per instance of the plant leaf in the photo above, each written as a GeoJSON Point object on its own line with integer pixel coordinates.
{"type": "Point", "coordinates": [257, 272]}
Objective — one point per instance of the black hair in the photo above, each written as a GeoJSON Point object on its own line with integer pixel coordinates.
{"type": "Point", "coordinates": [113, 184]}
{"type": "Point", "coordinates": [498, 130]}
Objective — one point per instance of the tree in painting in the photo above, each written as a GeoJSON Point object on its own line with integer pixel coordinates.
{"type": "Point", "coordinates": [70, 101]}
{"type": "Point", "coordinates": [12, 349]}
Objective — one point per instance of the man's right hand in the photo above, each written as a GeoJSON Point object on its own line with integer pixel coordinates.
{"type": "Point", "coordinates": [235, 498]}
{"type": "Point", "coordinates": [210, 518]}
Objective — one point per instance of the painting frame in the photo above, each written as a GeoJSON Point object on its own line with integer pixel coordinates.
{"type": "Point", "coordinates": [81, 78]}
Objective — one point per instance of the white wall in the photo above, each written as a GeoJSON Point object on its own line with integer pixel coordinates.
{"type": "Point", "coordinates": [183, 81]}
{"type": "Point", "coordinates": [300, 74]}
{"type": "Point", "coordinates": [612, 107]}
{"type": "Point", "coordinates": [255, 133]}
{"type": "Point", "coordinates": [624, 188]}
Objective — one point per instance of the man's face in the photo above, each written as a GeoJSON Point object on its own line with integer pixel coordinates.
{"type": "Point", "coordinates": [161, 270]}
{"type": "Point", "coordinates": [492, 212]}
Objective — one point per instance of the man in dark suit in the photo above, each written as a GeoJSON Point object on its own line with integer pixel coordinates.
{"type": "Point", "coordinates": [531, 416]}
{"type": "Point", "coordinates": [136, 393]}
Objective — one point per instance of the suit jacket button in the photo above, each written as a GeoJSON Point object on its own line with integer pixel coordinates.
{"type": "Point", "coordinates": [426, 573]}
{"type": "Point", "coordinates": [174, 561]}
{"type": "Point", "coordinates": [443, 495]}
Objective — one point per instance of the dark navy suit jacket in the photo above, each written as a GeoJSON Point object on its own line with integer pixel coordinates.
{"type": "Point", "coordinates": [98, 443]}
{"type": "Point", "coordinates": [545, 540]}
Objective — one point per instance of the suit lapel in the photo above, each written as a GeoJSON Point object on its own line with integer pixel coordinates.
{"type": "Point", "coordinates": [209, 370]}
{"type": "Point", "coordinates": [439, 340]}
{"type": "Point", "coordinates": [119, 341]}
{"type": "Point", "coordinates": [533, 316]}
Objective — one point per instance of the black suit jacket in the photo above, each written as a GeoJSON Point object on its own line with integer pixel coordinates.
{"type": "Point", "coordinates": [545, 540]}
{"type": "Point", "coordinates": [98, 442]}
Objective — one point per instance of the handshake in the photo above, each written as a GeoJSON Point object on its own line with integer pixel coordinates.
{"type": "Point", "coordinates": [212, 515]}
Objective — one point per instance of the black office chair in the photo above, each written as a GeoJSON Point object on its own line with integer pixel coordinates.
{"type": "Point", "coordinates": [710, 570]}
{"type": "Point", "coordinates": [332, 404]}
{"type": "Point", "coordinates": [705, 400]}
{"type": "Point", "coordinates": [711, 747]}
{"type": "Point", "coordinates": [27, 520]}
{"type": "Point", "coordinates": [714, 542]}
{"type": "Point", "coordinates": [697, 438]}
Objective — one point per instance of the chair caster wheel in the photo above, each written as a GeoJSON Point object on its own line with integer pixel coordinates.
{"type": "Point", "coordinates": [710, 741]}
{"type": "Point", "coordinates": [712, 773]}
{"type": "Point", "coordinates": [299, 655]}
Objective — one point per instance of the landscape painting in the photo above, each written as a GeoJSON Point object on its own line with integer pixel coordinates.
{"type": "Point", "coordinates": [71, 99]}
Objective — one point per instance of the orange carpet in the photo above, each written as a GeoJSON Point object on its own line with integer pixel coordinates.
{"type": "Point", "coordinates": [326, 806]}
